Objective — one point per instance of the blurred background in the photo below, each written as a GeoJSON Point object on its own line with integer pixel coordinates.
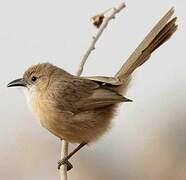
{"type": "Point", "coordinates": [148, 137]}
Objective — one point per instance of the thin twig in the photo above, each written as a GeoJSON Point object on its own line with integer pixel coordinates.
{"type": "Point", "coordinates": [64, 152]}
{"type": "Point", "coordinates": [113, 11]}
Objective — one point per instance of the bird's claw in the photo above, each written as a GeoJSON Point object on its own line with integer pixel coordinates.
{"type": "Point", "coordinates": [65, 161]}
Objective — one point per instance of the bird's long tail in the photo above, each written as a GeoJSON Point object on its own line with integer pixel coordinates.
{"type": "Point", "coordinates": [161, 32]}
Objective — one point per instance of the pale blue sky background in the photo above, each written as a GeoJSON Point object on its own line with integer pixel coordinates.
{"type": "Point", "coordinates": [147, 141]}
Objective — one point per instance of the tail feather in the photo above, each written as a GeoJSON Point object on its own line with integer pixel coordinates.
{"type": "Point", "coordinates": [160, 39]}
{"type": "Point", "coordinates": [163, 35]}
{"type": "Point", "coordinates": [158, 36]}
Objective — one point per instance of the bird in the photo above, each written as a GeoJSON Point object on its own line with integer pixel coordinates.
{"type": "Point", "coordinates": [80, 109]}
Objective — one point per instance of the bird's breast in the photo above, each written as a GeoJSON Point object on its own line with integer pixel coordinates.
{"type": "Point", "coordinates": [85, 126]}
{"type": "Point", "coordinates": [45, 111]}
{"type": "Point", "coordinates": [36, 103]}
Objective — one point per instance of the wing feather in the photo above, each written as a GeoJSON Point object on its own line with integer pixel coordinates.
{"type": "Point", "coordinates": [80, 94]}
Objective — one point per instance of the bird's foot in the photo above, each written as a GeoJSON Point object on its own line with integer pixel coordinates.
{"type": "Point", "coordinates": [65, 161]}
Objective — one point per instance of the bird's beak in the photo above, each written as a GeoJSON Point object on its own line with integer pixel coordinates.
{"type": "Point", "coordinates": [17, 82]}
{"type": "Point", "coordinates": [127, 100]}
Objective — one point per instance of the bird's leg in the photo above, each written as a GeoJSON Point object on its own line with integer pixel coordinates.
{"type": "Point", "coordinates": [65, 159]}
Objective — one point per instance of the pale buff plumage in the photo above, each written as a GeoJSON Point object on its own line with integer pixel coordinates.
{"type": "Point", "coordinates": [80, 109]}
{"type": "Point", "coordinates": [75, 125]}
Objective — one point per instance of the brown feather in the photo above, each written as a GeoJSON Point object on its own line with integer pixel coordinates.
{"type": "Point", "coordinates": [157, 36]}
{"type": "Point", "coordinates": [80, 109]}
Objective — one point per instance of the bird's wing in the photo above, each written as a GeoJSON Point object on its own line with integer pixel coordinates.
{"type": "Point", "coordinates": [81, 94]}
{"type": "Point", "coordinates": [100, 98]}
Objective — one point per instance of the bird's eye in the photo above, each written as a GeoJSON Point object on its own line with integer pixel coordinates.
{"type": "Point", "coordinates": [34, 78]}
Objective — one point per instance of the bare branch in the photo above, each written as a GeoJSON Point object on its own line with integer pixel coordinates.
{"type": "Point", "coordinates": [108, 16]}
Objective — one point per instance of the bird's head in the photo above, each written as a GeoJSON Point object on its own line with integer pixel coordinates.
{"type": "Point", "coordinates": [36, 77]}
